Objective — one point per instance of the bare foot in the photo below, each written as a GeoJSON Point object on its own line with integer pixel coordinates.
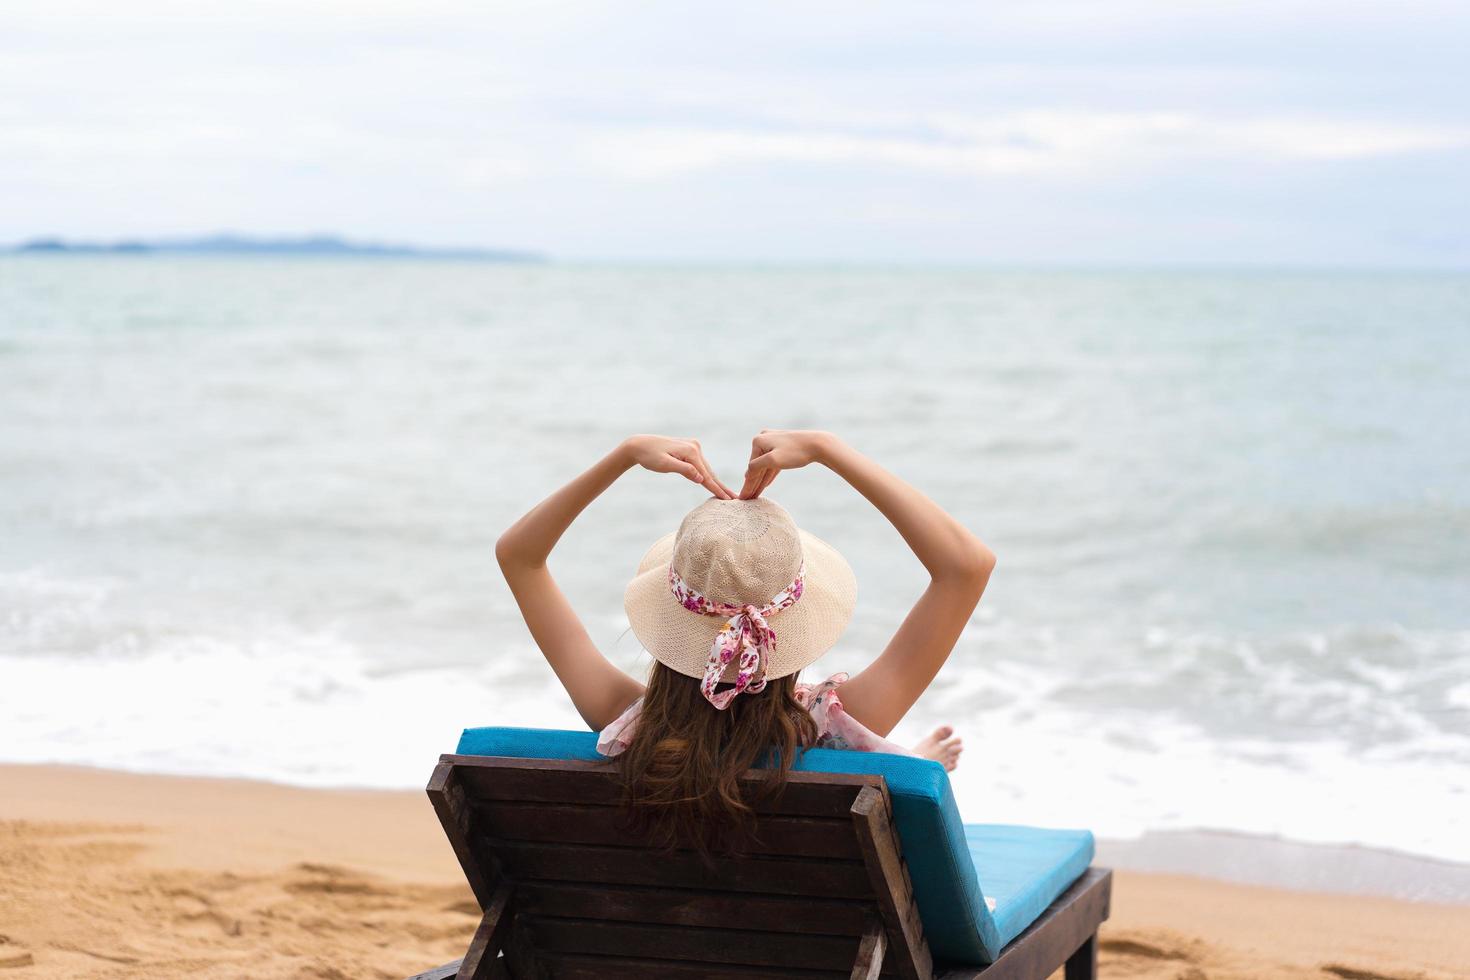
{"type": "Point", "coordinates": [943, 746]}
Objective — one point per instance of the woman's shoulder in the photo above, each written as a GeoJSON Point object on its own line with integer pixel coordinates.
{"type": "Point", "coordinates": [823, 702]}
{"type": "Point", "coordinates": [809, 694]}
{"type": "Point", "coordinates": [618, 735]}
{"type": "Point", "coordinates": [836, 729]}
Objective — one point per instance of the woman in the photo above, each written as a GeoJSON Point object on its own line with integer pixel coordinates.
{"type": "Point", "coordinates": [708, 603]}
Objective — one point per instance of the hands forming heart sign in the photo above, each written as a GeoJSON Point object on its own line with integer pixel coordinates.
{"type": "Point", "coordinates": [771, 452]}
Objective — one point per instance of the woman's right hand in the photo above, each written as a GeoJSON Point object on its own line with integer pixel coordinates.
{"type": "Point", "coordinates": [663, 454]}
{"type": "Point", "coordinates": [775, 450]}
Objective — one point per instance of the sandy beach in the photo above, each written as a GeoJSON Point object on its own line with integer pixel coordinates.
{"type": "Point", "coordinates": [111, 875]}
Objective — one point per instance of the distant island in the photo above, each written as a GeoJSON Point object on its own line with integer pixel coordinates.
{"type": "Point", "coordinates": [329, 246]}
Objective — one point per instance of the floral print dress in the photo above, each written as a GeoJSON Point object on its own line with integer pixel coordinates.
{"type": "Point", "coordinates": [836, 729]}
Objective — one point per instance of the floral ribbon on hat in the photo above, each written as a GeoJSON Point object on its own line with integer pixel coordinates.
{"type": "Point", "coordinates": [746, 635]}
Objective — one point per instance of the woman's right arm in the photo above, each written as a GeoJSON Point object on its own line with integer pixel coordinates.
{"type": "Point", "coordinates": [959, 567]}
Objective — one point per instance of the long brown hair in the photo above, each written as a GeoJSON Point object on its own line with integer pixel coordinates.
{"type": "Point", "coordinates": [681, 772]}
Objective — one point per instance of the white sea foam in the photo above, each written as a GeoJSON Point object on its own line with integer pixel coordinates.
{"type": "Point", "coordinates": [292, 708]}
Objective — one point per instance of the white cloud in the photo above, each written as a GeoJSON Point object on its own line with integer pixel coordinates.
{"type": "Point", "coordinates": [589, 128]}
{"type": "Point", "coordinates": [1030, 142]}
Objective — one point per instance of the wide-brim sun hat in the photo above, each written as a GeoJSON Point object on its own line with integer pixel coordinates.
{"type": "Point", "coordinates": [738, 554]}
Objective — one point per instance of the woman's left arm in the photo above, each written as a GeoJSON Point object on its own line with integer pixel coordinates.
{"type": "Point", "coordinates": [597, 687]}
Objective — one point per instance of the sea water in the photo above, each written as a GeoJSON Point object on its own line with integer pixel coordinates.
{"type": "Point", "coordinates": [248, 509]}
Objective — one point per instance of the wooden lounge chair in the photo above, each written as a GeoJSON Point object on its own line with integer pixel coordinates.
{"type": "Point", "coordinates": [825, 891]}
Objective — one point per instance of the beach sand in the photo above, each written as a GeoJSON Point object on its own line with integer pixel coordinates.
{"type": "Point", "coordinates": [106, 874]}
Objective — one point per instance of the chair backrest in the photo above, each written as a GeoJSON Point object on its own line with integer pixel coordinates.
{"type": "Point", "coordinates": [956, 923]}
{"type": "Point", "coordinates": [545, 846]}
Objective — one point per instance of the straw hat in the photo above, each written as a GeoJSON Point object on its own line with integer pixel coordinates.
{"type": "Point", "coordinates": [740, 552]}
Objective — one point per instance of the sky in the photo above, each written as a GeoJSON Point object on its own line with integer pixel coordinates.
{"type": "Point", "coordinates": [1048, 132]}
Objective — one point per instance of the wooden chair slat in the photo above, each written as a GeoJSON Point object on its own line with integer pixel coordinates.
{"type": "Point", "coordinates": [575, 967]}
{"type": "Point", "coordinates": [687, 907]}
{"type": "Point", "coordinates": [820, 877]}
{"type": "Point", "coordinates": [874, 943]}
{"type": "Point", "coordinates": [519, 958]}
{"type": "Point", "coordinates": [728, 945]}
{"type": "Point", "coordinates": [807, 794]}
{"type": "Point", "coordinates": [582, 824]}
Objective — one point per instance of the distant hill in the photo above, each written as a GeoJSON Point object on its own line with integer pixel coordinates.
{"type": "Point", "coordinates": [227, 244]}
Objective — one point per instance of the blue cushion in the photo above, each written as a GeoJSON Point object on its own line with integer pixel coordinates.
{"type": "Point", "coordinates": [1025, 868]}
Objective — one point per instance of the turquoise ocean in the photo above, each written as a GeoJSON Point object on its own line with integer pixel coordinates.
{"type": "Point", "coordinates": [248, 507]}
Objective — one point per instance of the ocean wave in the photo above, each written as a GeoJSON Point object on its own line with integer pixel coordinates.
{"type": "Point", "coordinates": [1426, 536]}
{"type": "Point", "coordinates": [293, 707]}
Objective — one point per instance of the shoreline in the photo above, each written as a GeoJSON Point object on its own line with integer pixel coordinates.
{"type": "Point", "coordinates": [1277, 862]}
{"type": "Point", "coordinates": [1212, 854]}
{"type": "Point", "coordinates": [219, 877]}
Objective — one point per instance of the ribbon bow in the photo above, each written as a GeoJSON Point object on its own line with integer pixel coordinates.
{"type": "Point", "coordinates": [746, 634]}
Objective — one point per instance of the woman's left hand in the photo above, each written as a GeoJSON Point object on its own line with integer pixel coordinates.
{"type": "Point", "coordinates": [664, 454]}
